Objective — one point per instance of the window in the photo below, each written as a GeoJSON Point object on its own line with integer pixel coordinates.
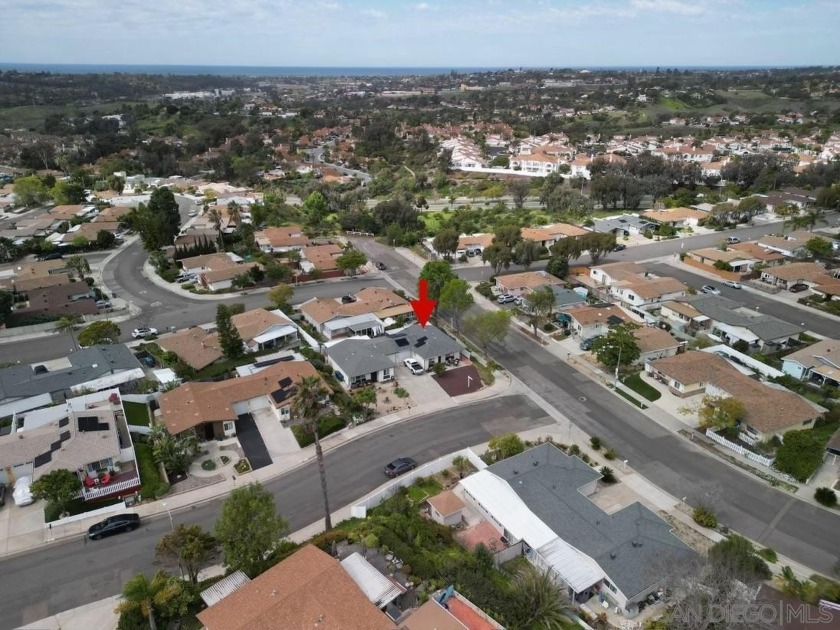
{"type": "Point", "coordinates": [610, 586]}
{"type": "Point", "coordinates": [808, 422]}
{"type": "Point", "coordinates": [228, 426]}
{"type": "Point", "coordinates": [284, 411]}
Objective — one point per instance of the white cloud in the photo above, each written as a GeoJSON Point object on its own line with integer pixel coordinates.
{"type": "Point", "coordinates": [423, 6]}
{"type": "Point", "coordinates": [670, 6]}
{"type": "Point", "coordinates": [374, 13]}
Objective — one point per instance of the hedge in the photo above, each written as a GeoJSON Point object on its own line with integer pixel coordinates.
{"type": "Point", "coordinates": [328, 424]}
{"type": "Point", "coordinates": [800, 454]}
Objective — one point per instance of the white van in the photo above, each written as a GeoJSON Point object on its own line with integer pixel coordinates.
{"type": "Point", "coordinates": [22, 493]}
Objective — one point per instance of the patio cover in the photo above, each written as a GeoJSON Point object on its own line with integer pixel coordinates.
{"type": "Point", "coordinates": [379, 589]}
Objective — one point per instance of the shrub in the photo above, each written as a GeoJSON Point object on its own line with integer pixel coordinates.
{"type": "Point", "coordinates": [325, 540]}
{"type": "Point", "coordinates": [595, 442]}
{"type": "Point", "coordinates": [768, 554]}
{"type": "Point", "coordinates": [585, 458]}
{"type": "Point", "coordinates": [400, 392]}
{"type": "Point", "coordinates": [826, 496]}
{"type": "Point", "coordinates": [485, 289]}
{"type": "Point", "coordinates": [208, 464]}
{"type": "Point", "coordinates": [574, 449]}
{"type": "Point", "coordinates": [800, 454]}
{"type": "Point", "coordinates": [327, 425]}
{"type": "Point", "coordinates": [705, 517]}
{"type": "Point", "coordinates": [610, 453]}
{"type": "Point", "coordinates": [607, 474]}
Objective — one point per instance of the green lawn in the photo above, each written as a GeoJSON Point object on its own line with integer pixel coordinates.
{"type": "Point", "coordinates": [636, 383]}
{"type": "Point", "coordinates": [136, 414]}
{"type": "Point", "coordinates": [151, 483]}
{"type": "Point", "coordinates": [423, 491]}
{"type": "Point", "coordinates": [624, 394]}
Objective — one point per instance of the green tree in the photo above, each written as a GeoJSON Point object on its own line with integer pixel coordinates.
{"type": "Point", "coordinates": [30, 191]}
{"type": "Point", "coordinates": [116, 183]}
{"type": "Point", "coordinates": [751, 206]}
{"type": "Point", "coordinates": [58, 487]}
{"type": "Point", "coordinates": [540, 306]}
{"type": "Point", "coordinates": [229, 338]}
{"type": "Point", "coordinates": [437, 273]}
{"type": "Point", "coordinates": [567, 248]}
{"type": "Point", "coordinates": [102, 332]}
{"type": "Point", "coordinates": [597, 244]}
{"type": "Point", "coordinates": [618, 346]}
{"type": "Point", "coordinates": [79, 264]}
{"type": "Point", "coordinates": [456, 299]}
{"type": "Point", "coordinates": [249, 529]}
{"type": "Point", "coordinates": [68, 324]}
{"type": "Point", "coordinates": [819, 247]}
{"type": "Point", "coordinates": [157, 222]}
{"type": "Point", "coordinates": [68, 193]}
{"type": "Point", "coordinates": [498, 255]}
{"type": "Point", "coordinates": [173, 452]}
{"type": "Point", "coordinates": [105, 239]}
{"type": "Point", "coordinates": [526, 252]}
{"type": "Point", "coordinates": [518, 189]}
{"type": "Point", "coordinates": [507, 235]}
{"type": "Point", "coordinates": [6, 302]}
{"type": "Point", "coordinates": [280, 295]}
{"type": "Point", "coordinates": [719, 412]}
{"type": "Point", "coordinates": [738, 555]}
{"type": "Point", "coordinates": [149, 596]}
{"type": "Point", "coordinates": [504, 446]}
{"type": "Point", "coordinates": [351, 260]}
{"type": "Point", "coordinates": [307, 406]}
{"type": "Point", "coordinates": [446, 242]}
{"type": "Point", "coordinates": [539, 602]}
{"type": "Point", "coordinates": [189, 545]}
{"type": "Point", "coordinates": [488, 327]}
{"type": "Point", "coordinates": [365, 396]}
{"type": "Point", "coordinates": [557, 267]}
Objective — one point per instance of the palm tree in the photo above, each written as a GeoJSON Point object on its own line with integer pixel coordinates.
{"type": "Point", "coordinates": [145, 595]}
{"type": "Point", "coordinates": [234, 213]}
{"type": "Point", "coordinates": [306, 407]}
{"type": "Point", "coordinates": [789, 582]}
{"type": "Point", "coordinates": [68, 324]}
{"type": "Point", "coordinates": [543, 604]}
{"type": "Point", "coordinates": [214, 215]}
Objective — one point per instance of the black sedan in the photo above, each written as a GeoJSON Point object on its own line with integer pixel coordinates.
{"type": "Point", "coordinates": [114, 525]}
{"type": "Point", "coordinates": [400, 466]}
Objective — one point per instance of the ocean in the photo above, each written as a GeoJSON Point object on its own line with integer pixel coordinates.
{"type": "Point", "coordinates": [304, 71]}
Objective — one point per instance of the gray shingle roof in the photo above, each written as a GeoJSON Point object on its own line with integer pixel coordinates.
{"type": "Point", "coordinates": [721, 309]}
{"type": "Point", "coordinates": [358, 356]}
{"type": "Point", "coordinates": [19, 381]}
{"type": "Point", "coordinates": [633, 546]}
{"type": "Point", "coordinates": [429, 342]}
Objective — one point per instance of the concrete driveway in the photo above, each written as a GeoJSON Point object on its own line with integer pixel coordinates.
{"type": "Point", "coordinates": [421, 387]}
{"type": "Point", "coordinates": [252, 442]}
{"type": "Point", "coordinates": [279, 440]}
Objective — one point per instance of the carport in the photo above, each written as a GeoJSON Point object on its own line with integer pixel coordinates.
{"type": "Point", "coordinates": [252, 442]}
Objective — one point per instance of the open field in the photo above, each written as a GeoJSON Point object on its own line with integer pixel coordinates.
{"type": "Point", "coordinates": [32, 116]}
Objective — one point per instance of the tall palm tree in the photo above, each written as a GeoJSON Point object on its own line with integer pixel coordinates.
{"type": "Point", "coordinates": [214, 215]}
{"type": "Point", "coordinates": [306, 407]}
{"type": "Point", "coordinates": [543, 603]}
{"type": "Point", "coordinates": [145, 595]}
{"type": "Point", "coordinates": [234, 212]}
{"type": "Point", "coordinates": [68, 324]}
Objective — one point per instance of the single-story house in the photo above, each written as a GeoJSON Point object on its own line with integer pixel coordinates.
{"type": "Point", "coordinates": [86, 435]}
{"type": "Point", "coordinates": [383, 303]}
{"type": "Point", "coordinates": [473, 243]}
{"type": "Point", "coordinates": [211, 262]}
{"type": "Point", "coordinates": [427, 345]}
{"type": "Point", "coordinates": [770, 409]}
{"type": "Point", "coordinates": [34, 275]}
{"type": "Point", "coordinates": [790, 245]}
{"type": "Point", "coordinates": [95, 368]}
{"type": "Point", "coordinates": [738, 261]}
{"type": "Point", "coordinates": [309, 589]}
{"type": "Point", "coordinates": [60, 299]}
{"type": "Point", "coordinates": [623, 225]}
{"type": "Point", "coordinates": [819, 363]}
{"type": "Point", "coordinates": [588, 321]}
{"type": "Point", "coordinates": [281, 239]}
{"type": "Point", "coordinates": [213, 408]}
{"type": "Point", "coordinates": [320, 257]}
{"type": "Point", "coordinates": [676, 217]}
{"type": "Point", "coordinates": [784, 276]}
{"type": "Point", "coordinates": [525, 282]}
{"type": "Point", "coordinates": [548, 235]}
{"type": "Point", "coordinates": [540, 499]}
{"type": "Point", "coordinates": [753, 251]}
{"type": "Point", "coordinates": [655, 343]}
{"type": "Point", "coordinates": [610, 273]}
{"type": "Point", "coordinates": [827, 287]}
{"type": "Point", "coordinates": [564, 299]}
{"type": "Point", "coordinates": [90, 231]}
{"type": "Point", "coordinates": [365, 325]}
{"type": "Point", "coordinates": [647, 290]}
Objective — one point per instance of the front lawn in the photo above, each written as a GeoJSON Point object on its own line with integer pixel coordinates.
{"type": "Point", "coordinates": [635, 382]}
{"type": "Point", "coordinates": [136, 414]}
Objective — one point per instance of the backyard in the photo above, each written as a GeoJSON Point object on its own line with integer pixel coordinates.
{"type": "Point", "coordinates": [136, 414]}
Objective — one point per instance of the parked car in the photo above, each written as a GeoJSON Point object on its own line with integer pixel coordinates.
{"type": "Point", "coordinates": [103, 304]}
{"type": "Point", "coordinates": [711, 290]}
{"type": "Point", "coordinates": [114, 525]}
{"type": "Point", "coordinates": [586, 344]}
{"type": "Point", "coordinates": [732, 284]}
{"type": "Point", "coordinates": [140, 333]}
{"type": "Point", "coordinates": [399, 466]}
{"type": "Point", "coordinates": [519, 300]}
{"type": "Point", "coordinates": [412, 365]}
{"type": "Point", "coordinates": [22, 494]}
{"type": "Point", "coordinates": [619, 247]}
{"type": "Point", "coordinates": [505, 298]}
{"type": "Point", "coordinates": [798, 287]}
{"type": "Point", "coordinates": [53, 256]}
{"type": "Point", "coordinates": [347, 299]}
{"type": "Point", "coordinates": [732, 240]}
{"type": "Point", "coordinates": [2, 494]}
{"type": "Point", "coordinates": [381, 266]}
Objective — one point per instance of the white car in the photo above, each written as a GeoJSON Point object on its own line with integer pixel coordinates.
{"type": "Point", "coordinates": [709, 289]}
{"type": "Point", "coordinates": [732, 284]}
{"type": "Point", "coordinates": [412, 365]}
{"type": "Point", "coordinates": [140, 333]}
{"type": "Point", "coordinates": [505, 298]}
{"type": "Point", "coordinates": [22, 493]}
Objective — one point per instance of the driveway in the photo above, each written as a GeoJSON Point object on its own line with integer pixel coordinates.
{"type": "Point", "coordinates": [421, 387]}
{"type": "Point", "coordinates": [279, 440]}
{"type": "Point", "coordinates": [252, 442]}
{"type": "Point", "coordinates": [458, 381]}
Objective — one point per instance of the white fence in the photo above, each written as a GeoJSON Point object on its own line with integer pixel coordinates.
{"type": "Point", "coordinates": [746, 438]}
{"type": "Point", "coordinates": [387, 491]}
{"type": "Point", "coordinates": [140, 398]}
{"type": "Point", "coordinates": [764, 461]}
{"type": "Point", "coordinates": [110, 509]}
{"type": "Point", "coordinates": [111, 488]}
{"type": "Point", "coordinates": [135, 428]}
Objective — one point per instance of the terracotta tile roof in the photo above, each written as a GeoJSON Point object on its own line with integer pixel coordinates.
{"type": "Point", "coordinates": [683, 308]}
{"type": "Point", "coordinates": [322, 256]}
{"type": "Point", "coordinates": [210, 261]}
{"type": "Point", "coordinates": [797, 271]}
{"type": "Point", "coordinates": [650, 339]}
{"type": "Point", "coordinates": [228, 273]}
{"type": "Point", "coordinates": [475, 240]}
{"type": "Point", "coordinates": [369, 300]}
{"type": "Point", "coordinates": [674, 214]}
{"type": "Point", "coordinates": [768, 409]}
{"type": "Point", "coordinates": [553, 231]}
{"type": "Point", "coordinates": [527, 280]}
{"type": "Point", "coordinates": [621, 270]}
{"type": "Point", "coordinates": [756, 251]}
{"type": "Point", "coordinates": [91, 230]}
{"type": "Point", "coordinates": [288, 236]}
{"type": "Point", "coordinates": [194, 346]}
{"type": "Point", "coordinates": [446, 503]}
{"type": "Point", "coordinates": [713, 253]}
{"type": "Point", "coordinates": [827, 284]}
{"type": "Point", "coordinates": [588, 315]}
{"type": "Point", "coordinates": [252, 323]}
{"type": "Point", "coordinates": [307, 590]}
{"type": "Point", "coordinates": [65, 212]}
{"type": "Point", "coordinates": [193, 404]}
{"type": "Point", "coordinates": [648, 288]}
{"type": "Point", "coordinates": [112, 213]}
{"type": "Point", "coordinates": [432, 615]}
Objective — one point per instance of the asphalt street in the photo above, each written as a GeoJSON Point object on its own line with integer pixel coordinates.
{"type": "Point", "coordinates": [68, 574]}
{"type": "Point", "coordinates": [799, 530]}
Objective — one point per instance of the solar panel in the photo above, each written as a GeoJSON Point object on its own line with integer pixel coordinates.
{"type": "Point", "coordinates": [64, 436]}
{"type": "Point", "coordinates": [285, 382]}
{"type": "Point", "coordinates": [43, 458]}
{"type": "Point", "coordinates": [63, 422]}
{"type": "Point", "coordinates": [402, 342]}
{"type": "Point", "coordinates": [279, 395]}
{"type": "Point", "coordinates": [420, 342]}
{"type": "Point", "coordinates": [54, 446]}
{"type": "Point", "coordinates": [88, 423]}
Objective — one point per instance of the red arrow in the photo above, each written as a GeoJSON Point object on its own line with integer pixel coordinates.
{"type": "Point", "coordinates": [423, 306]}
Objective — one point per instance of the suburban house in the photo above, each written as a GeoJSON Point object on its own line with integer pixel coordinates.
{"type": "Point", "coordinates": [99, 367]}
{"type": "Point", "coordinates": [309, 589]}
{"type": "Point", "coordinates": [647, 290]}
{"type": "Point", "coordinates": [320, 257]}
{"type": "Point", "coordinates": [89, 231]}
{"type": "Point", "coordinates": [754, 251]}
{"type": "Point", "coordinates": [589, 321]}
{"type": "Point", "coordinates": [525, 282]}
{"type": "Point", "coordinates": [770, 409]}
{"type": "Point", "coordinates": [259, 328]}
{"type": "Point", "coordinates": [564, 299]}
{"type": "Point", "coordinates": [539, 500]}
{"type": "Point", "coordinates": [384, 304]}
{"type": "Point", "coordinates": [785, 276]}
{"type": "Point", "coordinates": [548, 235]}
{"type": "Point", "coordinates": [21, 277]}
{"type": "Point", "coordinates": [818, 363]}
{"type": "Point", "coordinates": [446, 508]}
{"type": "Point", "coordinates": [217, 271]}
{"type": "Point", "coordinates": [59, 299]}
{"type": "Point", "coordinates": [790, 245]}
{"type": "Point", "coordinates": [475, 243]}
{"type": "Point", "coordinates": [624, 225]}
{"type": "Point", "coordinates": [212, 409]}
{"type": "Point", "coordinates": [728, 321]}
{"type": "Point", "coordinates": [358, 361]}
{"type": "Point", "coordinates": [736, 261]}
{"type": "Point", "coordinates": [655, 343]}
{"type": "Point", "coordinates": [676, 217]}
{"type": "Point", "coordinates": [87, 435]}
{"type": "Point", "coordinates": [274, 240]}
{"type": "Point", "coordinates": [609, 274]}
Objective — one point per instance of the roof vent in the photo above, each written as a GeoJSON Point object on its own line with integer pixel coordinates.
{"type": "Point", "coordinates": [515, 472]}
{"type": "Point", "coordinates": [536, 463]}
{"type": "Point", "coordinates": [612, 555]}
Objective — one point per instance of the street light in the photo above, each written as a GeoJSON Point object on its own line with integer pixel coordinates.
{"type": "Point", "coordinates": [618, 363]}
{"type": "Point", "coordinates": [171, 522]}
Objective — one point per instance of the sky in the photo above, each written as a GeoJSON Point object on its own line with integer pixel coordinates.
{"type": "Point", "coordinates": [428, 33]}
